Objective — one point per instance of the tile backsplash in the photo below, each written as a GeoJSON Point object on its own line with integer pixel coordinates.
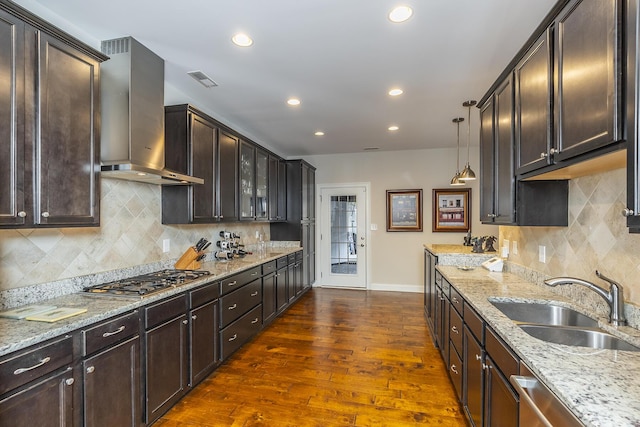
{"type": "Point", "coordinates": [596, 239]}
{"type": "Point", "coordinates": [131, 233]}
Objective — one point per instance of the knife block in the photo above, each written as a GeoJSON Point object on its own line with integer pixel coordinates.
{"type": "Point", "coordinates": [188, 260]}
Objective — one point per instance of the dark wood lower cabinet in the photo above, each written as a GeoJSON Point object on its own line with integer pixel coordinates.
{"type": "Point", "coordinates": [112, 386]}
{"type": "Point", "coordinates": [501, 407]}
{"type": "Point", "coordinates": [269, 307]}
{"type": "Point", "coordinates": [473, 378]}
{"type": "Point", "coordinates": [45, 403]}
{"type": "Point", "coordinates": [204, 349]}
{"type": "Point", "coordinates": [166, 366]}
{"type": "Point", "coordinates": [282, 291]}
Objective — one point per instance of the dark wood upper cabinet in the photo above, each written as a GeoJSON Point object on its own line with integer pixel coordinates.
{"type": "Point", "coordinates": [277, 189]}
{"type": "Point", "coordinates": [12, 172]}
{"type": "Point", "coordinates": [50, 112]}
{"type": "Point", "coordinates": [211, 154]}
{"type": "Point", "coordinates": [632, 210]}
{"type": "Point", "coordinates": [497, 177]}
{"type": "Point", "coordinates": [588, 67]}
{"type": "Point", "coordinates": [247, 181]}
{"type": "Point", "coordinates": [533, 100]}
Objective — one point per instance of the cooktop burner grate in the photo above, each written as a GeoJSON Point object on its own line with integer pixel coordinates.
{"type": "Point", "coordinates": [146, 284]}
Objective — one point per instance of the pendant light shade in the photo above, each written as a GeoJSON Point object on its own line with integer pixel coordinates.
{"type": "Point", "coordinates": [467, 173]}
{"type": "Point", "coordinates": [456, 178]}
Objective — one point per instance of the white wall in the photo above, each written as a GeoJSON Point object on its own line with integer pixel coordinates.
{"type": "Point", "coordinates": [396, 257]}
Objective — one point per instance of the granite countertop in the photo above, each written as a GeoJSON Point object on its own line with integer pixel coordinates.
{"type": "Point", "coordinates": [601, 387]}
{"type": "Point", "coordinates": [458, 254]}
{"type": "Point", "coordinates": [18, 334]}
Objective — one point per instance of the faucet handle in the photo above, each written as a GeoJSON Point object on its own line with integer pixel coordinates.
{"type": "Point", "coordinates": [612, 283]}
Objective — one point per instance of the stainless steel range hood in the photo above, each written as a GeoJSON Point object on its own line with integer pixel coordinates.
{"type": "Point", "coordinates": [132, 137]}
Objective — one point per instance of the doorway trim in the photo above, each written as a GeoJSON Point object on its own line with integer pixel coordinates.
{"type": "Point", "coordinates": [323, 257]}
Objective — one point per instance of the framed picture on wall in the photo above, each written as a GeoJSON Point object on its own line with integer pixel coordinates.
{"type": "Point", "coordinates": [451, 209]}
{"type": "Point", "coordinates": [404, 210]}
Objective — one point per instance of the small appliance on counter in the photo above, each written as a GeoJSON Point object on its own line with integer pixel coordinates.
{"type": "Point", "coordinates": [494, 264]}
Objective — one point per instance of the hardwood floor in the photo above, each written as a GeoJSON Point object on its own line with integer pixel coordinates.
{"type": "Point", "coordinates": [336, 358]}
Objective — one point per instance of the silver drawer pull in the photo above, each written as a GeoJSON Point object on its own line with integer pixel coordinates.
{"type": "Point", "coordinates": [455, 300]}
{"type": "Point", "coordinates": [232, 307]}
{"type": "Point", "coordinates": [478, 357]}
{"type": "Point", "coordinates": [254, 321]}
{"type": "Point", "coordinates": [454, 329]}
{"type": "Point", "coordinates": [90, 369]}
{"type": "Point", "coordinates": [235, 282]}
{"type": "Point", "coordinates": [69, 381]}
{"type": "Point", "coordinates": [454, 369]}
{"type": "Point", "coordinates": [254, 294]}
{"type": "Point", "coordinates": [37, 365]}
{"type": "Point", "coordinates": [233, 337]}
{"type": "Point", "coordinates": [117, 331]}
{"type": "Point", "coordinates": [255, 273]}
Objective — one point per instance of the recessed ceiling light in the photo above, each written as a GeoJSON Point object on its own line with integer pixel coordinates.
{"type": "Point", "coordinates": [392, 128]}
{"type": "Point", "coordinates": [319, 133]}
{"type": "Point", "coordinates": [395, 92]}
{"type": "Point", "coordinates": [242, 40]}
{"type": "Point", "coordinates": [400, 14]}
{"type": "Point", "coordinates": [293, 101]}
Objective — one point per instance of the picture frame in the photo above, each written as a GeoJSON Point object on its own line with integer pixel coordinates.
{"type": "Point", "coordinates": [404, 210]}
{"type": "Point", "coordinates": [451, 210]}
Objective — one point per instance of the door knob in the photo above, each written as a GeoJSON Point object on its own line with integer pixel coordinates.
{"type": "Point", "coordinates": [362, 245]}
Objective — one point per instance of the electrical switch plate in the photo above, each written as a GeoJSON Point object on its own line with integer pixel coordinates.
{"type": "Point", "coordinates": [515, 247]}
{"type": "Point", "coordinates": [374, 227]}
{"type": "Point", "coordinates": [542, 254]}
{"type": "Point", "coordinates": [166, 245]}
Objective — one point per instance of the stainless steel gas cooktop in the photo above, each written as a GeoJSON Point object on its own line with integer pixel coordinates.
{"type": "Point", "coordinates": [146, 284]}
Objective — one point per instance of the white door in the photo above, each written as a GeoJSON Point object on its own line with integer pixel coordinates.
{"type": "Point", "coordinates": [343, 236]}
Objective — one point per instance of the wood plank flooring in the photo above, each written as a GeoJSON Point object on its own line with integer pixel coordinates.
{"type": "Point", "coordinates": [336, 358]}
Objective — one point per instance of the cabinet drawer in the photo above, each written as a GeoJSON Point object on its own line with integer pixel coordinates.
{"type": "Point", "coordinates": [164, 310]}
{"type": "Point", "coordinates": [291, 258]}
{"type": "Point", "coordinates": [282, 262]}
{"type": "Point", "coordinates": [237, 280]}
{"type": "Point", "coordinates": [203, 295]}
{"type": "Point", "coordinates": [456, 300]}
{"type": "Point", "coordinates": [268, 267]}
{"type": "Point", "coordinates": [19, 369]}
{"type": "Point", "coordinates": [455, 372]}
{"type": "Point", "coordinates": [455, 329]}
{"type": "Point", "coordinates": [109, 332]}
{"type": "Point", "coordinates": [474, 322]}
{"type": "Point", "coordinates": [233, 336]}
{"type": "Point", "coordinates": [237, 303]}
{"type": "Point", "coordinates": [502, 356]}
{"type": "Point", "coordinates": [299, 256]}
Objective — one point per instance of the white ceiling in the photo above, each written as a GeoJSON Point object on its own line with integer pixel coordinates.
{"type": "Point", "coordinates": [340, 57]}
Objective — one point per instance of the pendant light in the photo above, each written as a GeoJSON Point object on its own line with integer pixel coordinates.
{"type": "Point", "coordinates": [456, 178]}
{"type": "Point", "coordinates": [467, 173]}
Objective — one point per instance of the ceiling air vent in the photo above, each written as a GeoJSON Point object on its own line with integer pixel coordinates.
{"type": "Point", "coordinates": [202, 78]}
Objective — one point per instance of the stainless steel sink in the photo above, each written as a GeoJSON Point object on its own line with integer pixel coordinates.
{"type": "Point", "coordinates": [578, 337]}
{"type": "Point", "coordinates": [545, 314]}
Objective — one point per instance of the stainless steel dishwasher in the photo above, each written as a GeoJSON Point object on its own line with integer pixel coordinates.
{"type": "Point", "coordinates": [539, 407]}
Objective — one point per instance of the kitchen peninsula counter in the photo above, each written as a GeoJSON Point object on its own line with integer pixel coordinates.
{"type": "Point", "coordinates": [601, 387]}
{"type": "Point", "coordinates": [18, 334]}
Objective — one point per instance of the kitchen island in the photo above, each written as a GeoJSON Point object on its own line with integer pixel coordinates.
{"type": "Point", "coordinates": [600, 387]}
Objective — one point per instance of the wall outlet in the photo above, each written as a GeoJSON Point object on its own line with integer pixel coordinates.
{"type": "Point", "coordinates": [374, 227]}
{"type": "Point", "coordinates": [514, 248]}
{"type": "Point", "coordinates": [542, 254]}
{"type": "Point", "coordinates": [505, 248]}
{"type": "Point", "coordinates": [166, 245]}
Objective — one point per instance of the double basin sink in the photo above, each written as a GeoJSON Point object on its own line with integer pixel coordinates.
{"type": "Point", "coordinates": [560, 325]}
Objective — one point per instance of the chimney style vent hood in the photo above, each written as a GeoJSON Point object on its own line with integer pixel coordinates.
{"type": "Point", "coordinates": [132, 138]}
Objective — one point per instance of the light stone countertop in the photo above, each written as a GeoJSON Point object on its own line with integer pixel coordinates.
{"type": "Point", "coordinates": [601, 387]}
{"type": "Point", "coordinates": [18, 334]}
{"type": "Point", "coordinates": [458, 255]}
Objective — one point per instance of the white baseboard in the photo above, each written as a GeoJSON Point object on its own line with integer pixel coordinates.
{"type": "Point", "coordinates": [396, 288]}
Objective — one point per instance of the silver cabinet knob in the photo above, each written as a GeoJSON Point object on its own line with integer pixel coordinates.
{"type": "Point", "coordinates": [69, 381]}
{"type": "Point", "coordinates": [628, 212]}
{"type": "Point", "coordinates": [554, 151]}
{"type": "Point", "coordinates": [45, 214]}
{"type": "Point", "coordinates": [22, 214]}
{"type": "Point", "coordinates": [90, 369]}
{"type": "Point", "coordinates": [543, 155]}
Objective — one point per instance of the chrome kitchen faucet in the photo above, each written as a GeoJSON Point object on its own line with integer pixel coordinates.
{"type": "Point", "coordinates": [614, 296]}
